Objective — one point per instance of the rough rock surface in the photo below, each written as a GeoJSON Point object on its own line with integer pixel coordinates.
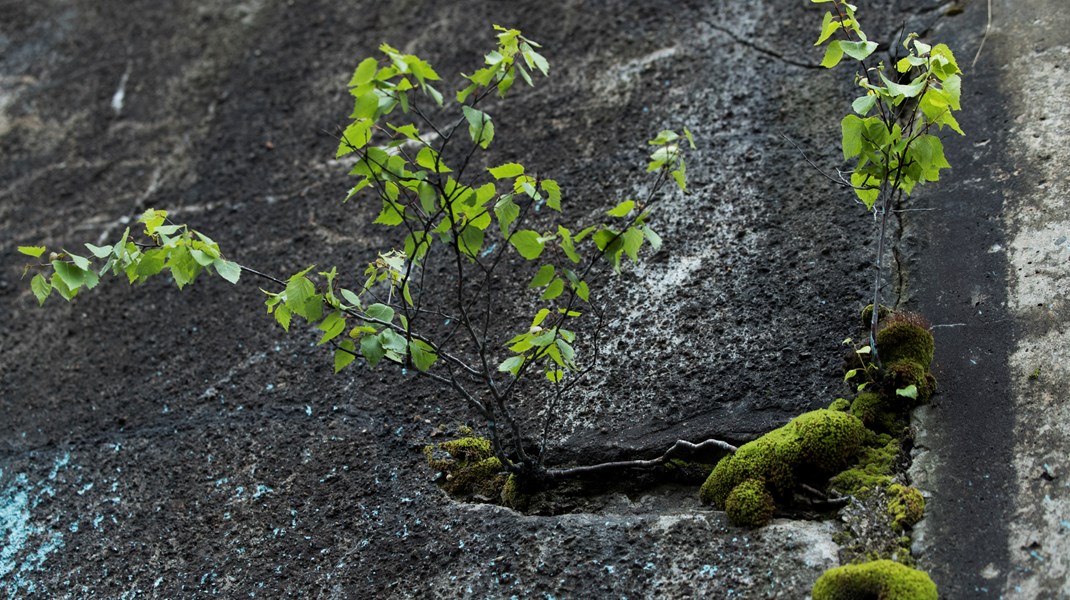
{"type": "Point", "coordinates": [178, 444]}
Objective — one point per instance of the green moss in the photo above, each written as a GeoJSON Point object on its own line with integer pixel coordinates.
{"type": "Point", "coordinates": [907, 506]}
{"type": "Point", "coordinates": [749, 504]}
{"type": "Point", "coordinates": [905, 340]}
{"type": "Point", "coordinates": [883, 579]}
{"type": "Point", "coordinates": [903, 373]}
{"type": "Point", "coordinates": [829, 440]}
{"type": "Point", "coordinates": [513, 496]}
{"type": "Point", "coordinates": [874, 469]}
{"type": "Point", "coordinates": [840, 404]}
{"type": "Point", "coordinates": [867, 315]}
{"type": "Point", "coordinates": [812, 446]}
{"type": "Point", "coordinates": [469, 466]}
{"type": "Point", "coordinates": [873, 410]}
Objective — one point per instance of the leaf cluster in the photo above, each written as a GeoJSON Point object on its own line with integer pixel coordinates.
{"type": "Point", "coordinates": [891, 135]}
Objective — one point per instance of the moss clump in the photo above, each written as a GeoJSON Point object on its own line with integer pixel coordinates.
{"type": "Point", "coordinates": [907, 506]}
{"type": "Point", "coordinates": [883, 579]}
{"type": "Point", "coordinates": [749, 504]}
{"type": "Point", "coordinates": [469, 466]}
{"type": "Point", "coordinates": [841, 404]}
{"type": "Point", "coordinates": [867, 315]}
{"type": "Point", "coordinates": [873, 410]}
{"type": "Point", "coordinates": [874, 469]}
{"type": "Point", "coordinates": [903, 373]}
{"type": "Point", "coordinates": [810, 447]}
{"type": "Point", "coordinates": [905, 339]}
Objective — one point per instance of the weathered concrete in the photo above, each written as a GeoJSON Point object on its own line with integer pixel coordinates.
{"type": "Point", "coordinates": [177, 444]}
{"type": "Point", "coordinates": [994, 281]}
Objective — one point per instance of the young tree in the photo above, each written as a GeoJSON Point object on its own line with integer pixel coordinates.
{"type": "Point", "coordinates": [891, 136]}
{"type": "Point", "coordinates": [474, 224]}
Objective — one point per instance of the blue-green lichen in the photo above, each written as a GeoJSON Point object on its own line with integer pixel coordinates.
{"type": "Point", "coordinates": [879, 579]}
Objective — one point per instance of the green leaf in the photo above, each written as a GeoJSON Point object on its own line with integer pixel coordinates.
{"type": "Point", "coordinates": [393, 342]}
{"type": "Point", "coordinates": [849, 374]}
{"type": "Point", "coordinates": [365, 72]}
{"type": "Point", "coordinates": [867, 196]}
{"type": "Point", "coordinates": [471, 240]}
{"type": "Point", "coordinates": [429, 159]}
{"type": "Point", "coordinates": [408, 131]}
{"type": "Point", "coordinates": [633, 240]}
{"type": "Point", "coordinates": [332, 326]}
{"type": "Point", "coordinates": [41, 288]}
{"type": "Point", "coordinates": [545, 274]}
{"type": "Point", "coordinates": [567, 352]}
{"type": "Point", "coordinates": [833, 54]}
{"type": "Point", "coordinates": [690, 138]}
{"type": "Point", "coordinates": [381, 312]}
{"type": "Point", "coordinates": [298, 290]}
{"type": "Point", "coordinates": [350, 297]}
{"type": "Point", "coordinates": [507, 170]}
{"type": "Point", "coordinates": [79, 261]}
{"type": "Point", "coordinates": [152, 219]}
{"type": "Point", "coordinates": [60, 286]}
{"type": "Point", "coordinates": [829, 26]}
{"type": "Point", "coordinates": [391, 214]}
{"type": "Point", "coordinates": [528, 243]}
{"type": "Point", "coordinates": [553, 193]}
{"type": "Point", "coordinates": [34, 251]}
{"type": "Point", "coordinates": [227, 269]}
{"type": "Point", "coordinates": [582, 291]}
{"type": "Point", "coordinates": [907, 91]}
{"type": "Point", "coordinates": [344, 354]}
{"type": "Point", "coordinates": [555, 375]}
{"type": "Point", "coordinates": [652, 237]}
{"type": "Point", "coordinates": [622, 209]}
{"type": "Point", "coordinates": [858, 50]}
{"type": "Point", "coordinates": [852, 128]}
{"type": "Point", "coordinates": [665, 136]}
{"type": "Point", "coordinates": [151, 262]}
{"type": "Point", "coordinates": [910, 391]}
{"type": "Point", "coordinates": [372, 349]}
{"type": "Point", "coordinates": [863, 104]}
{"type": "Point", "coordinates": [355, 137]}
{"type": "Point", "coordinates": [283, 315]}
{"type": "Point", "coordinates": [567, 245]}
{"type": "Point", "coordinates": [554, 290]}
{"type": "Point", "coordinates": [72, 276]}
{"type": "Point", "coordinates": [511, 365]}
{"type": "Point", "coordinates": [423, 356]}
{"type": "Point", "coordinates": [480, 126]}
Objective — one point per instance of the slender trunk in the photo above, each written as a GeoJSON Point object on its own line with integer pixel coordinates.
{"type": "Point", "coordinates": [877, 278]}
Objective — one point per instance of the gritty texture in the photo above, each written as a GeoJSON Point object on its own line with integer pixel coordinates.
{"type": "Point", "coordinates": [178, 444]}
{"type": "Point", "coordinates": [991, 453]}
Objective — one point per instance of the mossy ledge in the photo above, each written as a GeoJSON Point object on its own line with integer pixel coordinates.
{"type": "Point", "coordinates": [883, 579]}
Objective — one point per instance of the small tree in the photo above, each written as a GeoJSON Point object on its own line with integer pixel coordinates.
{"type": "Point", "coordinates": [890, 136]}
{"type": "Point", "coordinates": [478, 225]}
